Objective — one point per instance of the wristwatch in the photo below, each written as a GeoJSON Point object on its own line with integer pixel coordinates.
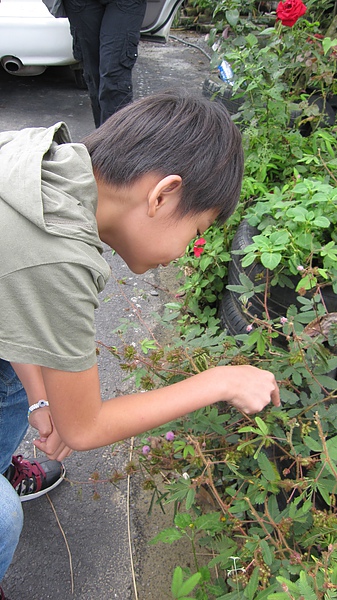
{"type": "Point", "coordinates": [39, 404]}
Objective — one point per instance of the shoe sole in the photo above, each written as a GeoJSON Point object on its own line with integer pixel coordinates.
{"type": "Point", "coordinates": [29, 497]}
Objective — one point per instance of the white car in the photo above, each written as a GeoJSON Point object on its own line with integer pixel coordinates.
{"type": "Point", "coordinates": [31, 39]}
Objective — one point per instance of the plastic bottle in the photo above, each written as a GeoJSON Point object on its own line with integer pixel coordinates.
{"type": "Point", "coordinates": [226, 73]}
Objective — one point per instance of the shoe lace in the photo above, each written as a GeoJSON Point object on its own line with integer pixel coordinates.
{"type": "Point", "coordinates": [27, 472]}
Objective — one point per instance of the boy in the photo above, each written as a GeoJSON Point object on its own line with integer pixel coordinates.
{"type": "Point", "coordinates": [148, 181]}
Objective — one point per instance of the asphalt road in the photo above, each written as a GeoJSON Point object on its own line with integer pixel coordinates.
{"type": "Point", "coordinates": [74, 547]}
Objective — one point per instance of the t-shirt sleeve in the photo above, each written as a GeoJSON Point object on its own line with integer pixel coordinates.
{"type": "Point", "coordinates": [47, 316]}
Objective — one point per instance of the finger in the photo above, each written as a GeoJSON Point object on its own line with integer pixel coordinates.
{"type": "Point", "coordinates": [275, 396]}
{"type": "Point", "coordinates": [41, 445]}
{"type": "Point", "coordinates": [64, 453]}
{"type": "Point", "coordinates": [51, 450]}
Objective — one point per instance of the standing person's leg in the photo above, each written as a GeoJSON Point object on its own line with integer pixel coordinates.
{"type": "Point", "coordinates": [85, 18]}
{"type": "Point", "coordinates": [13, 426]}
{"type": "Point", "coordinates": [120, 33]}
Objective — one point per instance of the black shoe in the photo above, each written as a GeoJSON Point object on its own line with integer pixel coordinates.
{"type": "Point", "coordinates": [32, 479]}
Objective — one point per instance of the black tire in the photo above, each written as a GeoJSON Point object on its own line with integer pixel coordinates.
{"type": "Point", "coordinates": [280, 298]}
{"type": "Point", "coordinates": [220, 93]}
{"type": "Point", "coordinates": [231, 317]}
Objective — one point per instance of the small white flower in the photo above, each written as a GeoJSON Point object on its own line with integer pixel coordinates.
{"type": "Point", "coordinates": [186, 475]}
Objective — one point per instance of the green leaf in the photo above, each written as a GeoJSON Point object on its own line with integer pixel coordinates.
{"type": "Point", "coordinates": [271, 260]}
{"type": "Point", "coordinates": [324, 493]}
{"type": "Point", "coordinates": [147, 345]}
{"type": "Point", "coordinates": [188, 450]}
{"type": "Point", "coordinates": [304, 240]}
{"type": "Point", "coordinates": [248, 260]}
{"type": "Point", "coordinates": [332, 448]}
{"type": "Point", "coordinates": [232, 16]}
{"type": "Point", "coordinates": [249, 429]}
{"type": "Point", "coordinates": [190, 498]}
{"type": "Point", "coordinates": [189, 585]}
{"type": "Point", "coordinates": [321, 222]}
{"type": "Point", "coordinates": [312, 444]}
{"type": "Point", "coordinates": [279, 238]}
{"type": "Point", "coordinates": [266, 553]}
{"type": "Point", "coordinates": [168, 536]}
{"type": "Point", "coordinates": [173, 305]}
{"type": "Point", "coordinates": [261, 345]}
{"type": "Point", "coordinates": [265, 594]}
{"type": "Point", "coordinates": [334, 576]}
{"type": "Point", "coordinates": [182, 520]}
{"type": "Point", "coordinates": [177, 581]}
{"type": "Point", "coordinates": [327, 382]}
{"type": "Point", "coordinates": [292, 587]}
{"type": "Point", "coordinates": [268, 469]}
{"type": "Point", "coordinates": [328, 43]}
{"type": "Point", "coordinates": [308, 282]}
{"type": "Point", "coordinates": [274, 509]}
{"type": "Point", "coordinates": [252, 585]}
{"type": "Point", "coordinates": [252, 40]}
{"type": "Point", "coordinates": [262, 425]}
{"type": "Point", "coordinates": [209, 522]}
{"type": "Point", "coordinates": [305, 588]}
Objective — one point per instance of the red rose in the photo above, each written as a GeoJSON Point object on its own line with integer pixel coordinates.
{"type": "Point", "coordinates": [197, 249]}
{"type": "Point", "coordinates": [290, 11]}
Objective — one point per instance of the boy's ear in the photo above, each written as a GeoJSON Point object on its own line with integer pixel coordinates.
{"type": "Point", "coordinates": [164, 190]}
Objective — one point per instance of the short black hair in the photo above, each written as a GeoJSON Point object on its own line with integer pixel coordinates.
{"type": "Point", "coordinates": [173, 133]}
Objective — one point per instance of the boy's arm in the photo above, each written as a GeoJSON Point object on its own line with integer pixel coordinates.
{"type": "Point", "coordinates": [41, 419]}
{"type": "Point", "coordinates": [85, 422]}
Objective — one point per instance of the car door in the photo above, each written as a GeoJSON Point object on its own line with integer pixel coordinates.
{"type": "Point", "coordinates": [158, 19]}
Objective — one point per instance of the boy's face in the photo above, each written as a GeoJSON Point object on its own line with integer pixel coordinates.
{"type": "Point", "coordinates": [161, 242]}
{"type": "Point", "coordinates": [141, 226]}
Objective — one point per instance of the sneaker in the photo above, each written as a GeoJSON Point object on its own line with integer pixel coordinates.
{"type": "Point", "coordinates": [32, 479]}
{"type": "Point", "coordinates": [2, 595]}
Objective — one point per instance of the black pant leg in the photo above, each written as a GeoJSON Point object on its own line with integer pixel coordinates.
{"type": "Point", "coordinates": [85, 17]}
{"type": "Point", "coordinates": [119, 38]}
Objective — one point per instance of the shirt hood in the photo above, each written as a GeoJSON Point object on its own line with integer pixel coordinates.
{"type": "Point", "coordinates": [49, 180]}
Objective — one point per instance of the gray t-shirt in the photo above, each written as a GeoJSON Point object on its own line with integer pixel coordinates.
{"type": "Point", "coordinates": [51, 268]}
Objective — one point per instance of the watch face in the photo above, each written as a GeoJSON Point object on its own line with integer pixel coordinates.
{"type": "Point", "coordinates": [42, 403]}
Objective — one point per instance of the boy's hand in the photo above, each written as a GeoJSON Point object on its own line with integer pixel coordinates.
{"type": "Point", "coordinates": [49, 438]}
{"type": "Point", "coordinates": [252, 388]}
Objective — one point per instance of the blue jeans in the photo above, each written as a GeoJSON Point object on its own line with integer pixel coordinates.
{"type": "Point", "coordinates": [13, 426]}
{"type": "Point", "coordinates": [106, 35]}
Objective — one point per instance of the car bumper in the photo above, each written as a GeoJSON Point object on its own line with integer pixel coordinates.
{"type": "Point", "coordinates": [44, 41]}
